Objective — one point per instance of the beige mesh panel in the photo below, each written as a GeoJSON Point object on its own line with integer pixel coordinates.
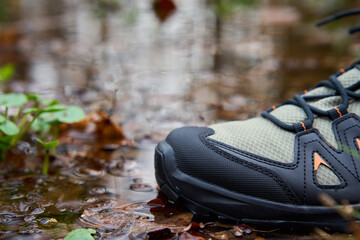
{"type": "Point", "coordinates": [326, 176]}
{"type": "Point", "coordinates": [319, 91]}
{"type": "Point", "coordinates": [289, 114]}
{"type": "Point", "coordinates": [326, 103]}
{"type": "Point", "coordinates": [354, 107]}
{"type": "Point", "coordinates": [350, 77]}
{"type": "Point", "coordinates": [258, 136]}
{"type": "Point", "coordinates": [324, 126]}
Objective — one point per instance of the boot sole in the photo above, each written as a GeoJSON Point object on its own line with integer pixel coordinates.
{"type": "Point", "coordinates": [209, 201]}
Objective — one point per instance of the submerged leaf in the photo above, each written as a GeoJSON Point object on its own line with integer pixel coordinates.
{"type": "Point", "coordinates": [9, 128]}
{"type": "Point", "coordinates": [13, 100]}
{"type": "Point", "coordinates": [81, 234]}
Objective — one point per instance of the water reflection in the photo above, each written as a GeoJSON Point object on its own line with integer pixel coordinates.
{"type": "Point", "coordinates": [154, 66]}
{"type": "Point", "coordinates": [82, 52]}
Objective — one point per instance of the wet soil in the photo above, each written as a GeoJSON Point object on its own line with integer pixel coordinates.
{"type": "Point", "coordinates": [141, 68]}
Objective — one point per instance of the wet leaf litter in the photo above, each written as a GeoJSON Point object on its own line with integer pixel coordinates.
{"type": "Point", "coordinates": [89, 150]}
{"type": "Point", "coordinates": [35, 204]}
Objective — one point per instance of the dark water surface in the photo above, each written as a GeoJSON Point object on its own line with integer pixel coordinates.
{"type": "Point", "coordinates": [151, 67]}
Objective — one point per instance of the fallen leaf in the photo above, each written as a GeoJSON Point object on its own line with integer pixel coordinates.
{"type": "Point", "coordinates": [81, 234]}
{"type": "Point", "coordinates": [96, 129]}
{"type": "Point", "coordinates": [194, 235]}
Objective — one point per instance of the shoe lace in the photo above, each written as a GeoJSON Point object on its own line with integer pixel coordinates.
{"type": "Point", "coordinates": [339, 15]}
{"type": "Point", "coordinates": [300, 100]}
{"type": "Point", "coordinates": [333, 83]}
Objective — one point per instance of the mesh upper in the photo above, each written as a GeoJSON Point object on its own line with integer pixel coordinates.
{"type": "Point", "coordinates": [259, 136]}
{"type": "Point", "coordinates": [326, 176]}
{"type": "Point", "coordinates": [262, 137]}
{"type": "Point", "coordinates": [289, 114]}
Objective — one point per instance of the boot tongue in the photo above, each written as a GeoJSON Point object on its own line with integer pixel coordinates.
{"type": "Point", "coordinates": [350, 77]}
{"type": "Point", "coordinates": [291, 114]}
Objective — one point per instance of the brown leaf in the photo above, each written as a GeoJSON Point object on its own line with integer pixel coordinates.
{"type": "Point", "coordinates": [95, 129]}
{"type": "Point", "coordinates": [169, 213]}
{"type": "Point", "coordinates": [194, 235]}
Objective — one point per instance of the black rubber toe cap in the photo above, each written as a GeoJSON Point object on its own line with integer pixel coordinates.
{"type": "Point", "coordinates": [199, 158]}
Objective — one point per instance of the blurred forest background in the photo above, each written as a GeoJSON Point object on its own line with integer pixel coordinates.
{"type": "Point", "coordinates": [156, 65]}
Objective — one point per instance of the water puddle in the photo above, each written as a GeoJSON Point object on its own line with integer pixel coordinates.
{"type": "Point", "coordinates": [142, 68]}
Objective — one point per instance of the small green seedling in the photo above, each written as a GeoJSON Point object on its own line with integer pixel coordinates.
{"type": "Point", "coordinates": [6, 72]}
{"type": "Point", "coordinates": [47, 146]}
{"type": "Point", "coordinates": [8, 127]}
{"type": "Point", "coordinates": [81, 234]}
{"type": "Point", "coordinates": [24, 126]}
{"type": "Point", "coordinates": [68, 114]}
{"type": "Point", "coordinates": [40, 116]}
{"type": "Point", "coordinates": [13, 100]}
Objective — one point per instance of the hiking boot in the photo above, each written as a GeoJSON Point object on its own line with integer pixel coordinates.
{"type": "Point", "coordinates": [272, 168]}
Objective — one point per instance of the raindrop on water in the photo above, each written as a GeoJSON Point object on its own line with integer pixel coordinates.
{"type": "Point", "coordinates": [29, 219]}
{"type": "Point", "coordinates": [98, 190]}
{"type": "Point", "coordinates": [37, 211]}
{"type": "Point", "coordinates": [16, 196]}
{"type": "Point", "coordinates": [138, 185]}
{"type": "Point", "coordinates": [86, 172]}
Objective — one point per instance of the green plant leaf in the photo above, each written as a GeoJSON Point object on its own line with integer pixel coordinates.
{"type": "Point", "coordinates": [48, 145]}
{"type": "Point", "coordinates": [5, 141]}
{"type": "Point", "coordinates": [6, 72]}
{"type": "Point", "coordinates": [81, 234]}
{"type": "Point", "coordinates": [49, 103]}
{"type": "Point", "coordinates": [9, 128]}
{"type": "Point", "coordinates": [70, 114]}
{"type": "Point", "coordinates": [13, 100]}
{"type": "Point", "coordinates": [40, 126]}
{"type": "Point", "coordinates": [2, 119]}
{"type": "Point", "coordinates": [50, 117]}
{"type": "Point", "coordinates": [50, 109]}
{"type": "Point", "coordinates": [33, 96]}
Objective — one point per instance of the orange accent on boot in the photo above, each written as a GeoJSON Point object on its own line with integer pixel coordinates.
{"type": "Point", "coordinates": [358, 143]}
{"type": "Point", "coordinates": [338, 111]}
{"type": "Point", "coordinates": [318, 160]}
{"type": "Point", "coordinates": [303, 125]}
